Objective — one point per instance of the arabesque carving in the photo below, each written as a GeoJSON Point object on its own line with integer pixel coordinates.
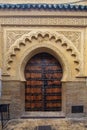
{"type": "Point", "coordinates": [13, 35]}
{"type": "Point", "coordinates": [43, 21]}
{"type": "Point", "coordinates": [41, 36]}
{"type": "Point", "coordinates": [73, 36]}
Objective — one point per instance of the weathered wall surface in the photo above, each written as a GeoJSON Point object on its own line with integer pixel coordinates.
{"type": "Point", "coordinates": [21, 37]}
{"type": "Point", "coordinates": [13, 93]}
{"type": "Point", "coordinates": [75, 96]}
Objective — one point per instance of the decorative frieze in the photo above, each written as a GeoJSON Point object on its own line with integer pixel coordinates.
{"type": "Point", "coordinates": [43, 21]}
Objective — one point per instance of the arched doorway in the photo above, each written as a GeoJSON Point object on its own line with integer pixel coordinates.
{"type": "Point", "coordinates": [43, 75]}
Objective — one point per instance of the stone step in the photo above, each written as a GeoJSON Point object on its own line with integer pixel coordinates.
{"type": "Point", "coordinates": [43, 115]}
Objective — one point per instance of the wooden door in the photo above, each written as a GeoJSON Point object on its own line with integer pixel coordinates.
{"type": "Point", "coordinates": [43, 75]}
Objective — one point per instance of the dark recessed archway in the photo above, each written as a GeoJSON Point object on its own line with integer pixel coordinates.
{"type": "Point", "coordinates": [43, 89]}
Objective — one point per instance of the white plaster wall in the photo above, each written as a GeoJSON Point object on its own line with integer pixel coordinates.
{"type": "Point", "coordinates": [43, 1]}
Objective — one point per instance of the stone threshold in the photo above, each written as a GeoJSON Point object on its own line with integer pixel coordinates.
{"type": "Point", "coordinates": [43, 115]}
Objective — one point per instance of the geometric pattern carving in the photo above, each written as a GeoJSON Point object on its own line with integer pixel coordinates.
{"type": "Point", "coordinates": [12, 35]}
{"type": "Point", "coordinates": [45, 20]}
{"type": "Point", "coordinates": [74, 36]}
{"type": "Point", "coordinates": [58, 39]}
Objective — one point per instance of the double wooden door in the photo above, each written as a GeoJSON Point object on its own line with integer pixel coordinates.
{"type": "Point", "coordinates": [43, 75]}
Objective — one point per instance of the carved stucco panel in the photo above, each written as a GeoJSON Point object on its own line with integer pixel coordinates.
{"type": "Point", "coordinates": [74, 36]}
{"type": "Point", "coordinates": [41, 38]}
{"type": "Point", "coordinates": [43, 21]}
{"type": "Point", "coordinates": [13, 35]}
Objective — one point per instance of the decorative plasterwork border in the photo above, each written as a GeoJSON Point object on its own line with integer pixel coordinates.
{"type": "Point", "coordinates": [57, 38]}
{"type": "Point", "coordinates": [12, 34]}
{"type": "Point", "coordinates": [43, 21]}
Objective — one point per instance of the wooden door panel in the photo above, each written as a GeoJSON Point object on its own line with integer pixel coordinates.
{"type": "Point", "coordinates": [53, 98]}
{"type": "Point", "coordinates": [53, 68]}
{"type": "Point", "coordinates": [34, 90]}
{"type": "Point", "coordinates": [53, 90]}
{"type": "Point", "coordinates": [53, 83]}
{"type": "Point", "coordinates": [32, 83]}
{"type": "Point", "coordinates": [33, 105]}
{"type": "Point", "coordinates": [33, 75]}
{"type": "Point", "coordinates": [43, 75]}
{"type": "Point", "coordinates": [53, 105]}
{"type": "Point", "coordinates": [33, 97]}
{"type": "Point", "coordinates": [33, 67]}
{"type": "Point", "coordinates": [54, 76]}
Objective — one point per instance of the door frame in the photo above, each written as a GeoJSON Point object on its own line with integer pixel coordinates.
{"type": "Point", "coordinates": [53, 50]}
